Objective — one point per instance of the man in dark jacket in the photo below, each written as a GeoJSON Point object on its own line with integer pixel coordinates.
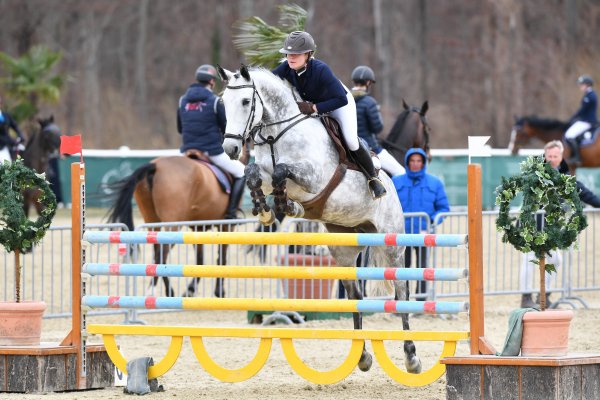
{"type": "Point", "coordinates": [553, 154]}
{"type": "Point", "coordinates": [368, 118]}
{"type": "Point", "coordinates": [419, 192]}
{"type": "Point", "coordinates": [6, 141]}
{"type": "Point", "coordinates": [201, 122]}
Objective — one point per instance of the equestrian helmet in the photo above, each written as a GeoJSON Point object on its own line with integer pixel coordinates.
{"type": "Point", "coordinates": [585, 80]}
{"type": "Point", "coordinates": [363, 73]}
{"type": "Point", "coordinates": [298, 42]}
{"type": "Point", "coordinates": [205, 73]}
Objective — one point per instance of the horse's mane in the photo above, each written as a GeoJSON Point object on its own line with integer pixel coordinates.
{"type": "Point", "coordinates": [544, 123]}
{"type": "Point", "coordinates": [266, 79]}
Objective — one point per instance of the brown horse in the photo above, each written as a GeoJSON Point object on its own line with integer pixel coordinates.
{"type": "Point", "coordinates": [410, 130]}
{"type": "Point", "coordinates": [545, 130]}
{"type": "Point", "coordinates": [40, 146]}
{"type": "Point", "coordinates": [170, 189]}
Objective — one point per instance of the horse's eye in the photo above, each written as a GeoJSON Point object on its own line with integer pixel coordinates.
{"type": "Point", "coordinates": [245, 102]}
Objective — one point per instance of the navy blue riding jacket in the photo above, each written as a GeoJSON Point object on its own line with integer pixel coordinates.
{"type": "Point", "coordinates": [201, 120]}
{"type": "Point", "coordinates": [7, 123]}
{"type": "Point", "coordinates": [587, 110]}
{"type": "Point", "coordinates": [317, 85]}
{"type": "Point", "coordinates": [368, 118]}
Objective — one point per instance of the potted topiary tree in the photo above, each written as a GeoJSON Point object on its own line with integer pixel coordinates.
{"type": "Point", "coordinates": [544, 189]}
{"type": "Point", "coordinates": [21, 321]}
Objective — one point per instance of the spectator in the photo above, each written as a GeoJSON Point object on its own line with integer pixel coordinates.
{"type": "Point", "coordinates": [553, 154]}
{"type": "Point", "coordinates": [369, 120]}
{"type": "Point", "coordinates": [419, 192]}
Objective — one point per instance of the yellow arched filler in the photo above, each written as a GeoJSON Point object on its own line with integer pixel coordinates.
{"type": "Point", "coordinates": [406, 378]}
{"type": "Point", "coordinates": [232, 375]}
{"type": "Point", "coordinates": [322, 377]}
{"type": "Point", "coordinates": [154, 371]}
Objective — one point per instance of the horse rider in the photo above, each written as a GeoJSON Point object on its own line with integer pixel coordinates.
{"type": "Point", "coordinates": [323, 93]}
{"type": "Point", "coordinates": [369, 120]}
{"type": "Point", "coordinates": [201, 122]}
{"type": "Point", "coordinates": [7, 143]}
{"type": "Point", "coordinates": [584, 119]}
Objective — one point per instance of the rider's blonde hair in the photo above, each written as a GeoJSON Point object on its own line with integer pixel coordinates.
{"type": "Point", "coordinates": [555, 144]}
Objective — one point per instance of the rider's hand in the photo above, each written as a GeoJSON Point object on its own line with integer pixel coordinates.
{"type": "Point", "coordinates": [306, 107]}
{"type": "Point", "coordinates": [20, 147]}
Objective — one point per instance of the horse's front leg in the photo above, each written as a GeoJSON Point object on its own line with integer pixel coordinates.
{"type": "Point", "coordinates": [283, 204]}
{"type": "Point", "coordinates": [254, 182]}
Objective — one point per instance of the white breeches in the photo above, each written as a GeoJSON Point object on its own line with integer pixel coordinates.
{"type": "Point", "coordinates": [4, 154]}
{"type": "Point", "coordinates": [577, 129]}
{"type": "Point", "coordinates": [528, 268]}
{"type": "Point", "coordinates": [234, 167]}
{"type": "Point", "coordinates": [346, 117]}
{"type": "Point", "coordinates": [389, 164]}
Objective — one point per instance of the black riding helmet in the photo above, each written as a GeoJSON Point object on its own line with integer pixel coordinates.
{"type": "Point", "coordinates": [363, 73]}
{"type": "Point", "coordinates": [585, 80]}
{"type": "Point", "coordinates": [298, 42]}
{"type": "Point", "coordinates": [205, 73]}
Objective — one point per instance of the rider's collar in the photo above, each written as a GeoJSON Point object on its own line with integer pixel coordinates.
{"type": "Point", "coordinates": [302, 71]}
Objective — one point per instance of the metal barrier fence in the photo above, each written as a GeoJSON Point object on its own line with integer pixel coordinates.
{"type": "Point", "coordinates": [47, 269]}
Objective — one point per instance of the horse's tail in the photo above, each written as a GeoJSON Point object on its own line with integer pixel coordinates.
{"type": "Point", "coordinates": [122, 210]}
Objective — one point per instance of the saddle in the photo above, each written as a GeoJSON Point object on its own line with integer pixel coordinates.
{"type": "Point", "coordinates": [223, 177]}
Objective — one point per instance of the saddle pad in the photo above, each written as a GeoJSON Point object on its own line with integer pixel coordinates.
{"type": "Point", "coordinates": [223, 177]}
{"type": "Point", "coordinates": [590, 137]}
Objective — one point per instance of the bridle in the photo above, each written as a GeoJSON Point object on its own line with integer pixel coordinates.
{"type": "Point", "coordinates": [256, 131]}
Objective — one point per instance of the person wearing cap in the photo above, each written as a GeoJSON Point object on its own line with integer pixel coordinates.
{"type": "Point", "coordinates": [7, 143]}
{"type": "Point", "coordinates": [584, 119]}
{"type": "Point", "coordinates": [369, 120]}
{"type": "Point", "coordinates": [322, 92]}
{"type": "Point", "coordinates": [201, 122]}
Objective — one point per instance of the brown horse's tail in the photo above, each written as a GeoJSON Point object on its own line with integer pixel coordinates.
{"type": "Point", "coordinates": [122, 209]}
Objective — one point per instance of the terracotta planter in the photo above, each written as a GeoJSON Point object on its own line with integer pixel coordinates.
{"type": "Point", "coordinates": [546, 333]}
{"type": "Point", "coordinates": [21, 323]}
{"type": "Point", "coordinates": [308, 288]}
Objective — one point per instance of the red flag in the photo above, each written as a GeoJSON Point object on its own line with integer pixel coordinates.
{"type": "Point", "coordinates": [70, 144]}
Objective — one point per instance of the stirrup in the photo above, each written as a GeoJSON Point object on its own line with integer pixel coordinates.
{"type": "Point", "coordinates": [376, 187]}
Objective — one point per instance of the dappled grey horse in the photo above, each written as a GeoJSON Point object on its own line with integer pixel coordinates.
{"type": "Point", "coordinates": [295, 159]}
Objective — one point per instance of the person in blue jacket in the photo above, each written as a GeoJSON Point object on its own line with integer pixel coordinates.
{"type": "Point", "coordinates": [323, 93]}
{"type": "Point", "coordinates": [584, 119]}
{"type": "Point", "coordinates": [419, 192]}
{"type": "Point", "coordinates": [201, 122]}
{"type": "Point", "coordinates": [369, 120]}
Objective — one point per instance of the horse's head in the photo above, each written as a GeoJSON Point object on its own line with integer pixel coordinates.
{"type": "Point", "coordinates": [411, 129]}
{"type": "Point", "coordinates": [526, 128]}
{"type": "Point", "coordinates": [49, 135]}
{"type": "Point", "coordinates": [243, 107]}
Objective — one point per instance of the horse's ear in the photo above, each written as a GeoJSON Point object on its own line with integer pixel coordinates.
{"type": "Point", "coordinates": [424, 108]}
{"type": "Point", "coordinates": [244, 72]}
{"type": "Point", "coordinates": [405, 105]}
{"type": "Point", "coordinates": [224, 74]}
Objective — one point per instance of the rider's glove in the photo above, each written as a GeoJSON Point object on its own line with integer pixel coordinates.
{"type": "Point", "coordinates": [306, 107]}
{"type": "Point", "coordinates": [20, 147]}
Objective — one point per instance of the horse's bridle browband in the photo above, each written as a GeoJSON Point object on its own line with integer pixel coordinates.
{"type": "Point", "coordinates": [256, 131]}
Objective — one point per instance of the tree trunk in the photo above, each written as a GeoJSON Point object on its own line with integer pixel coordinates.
{"type": "Point", "coordinates": [17, 276]}
{"type": "Point", "coordinates": [542, 283]}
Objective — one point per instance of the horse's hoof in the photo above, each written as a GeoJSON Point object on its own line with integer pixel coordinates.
{"type": "Point", "coordinates": [267, 219]}
{"type": "Point", "coordinates": [189, 293]}
{"type": "Point", "coordinates": [413, 365]}
{"type": "Point", "coordinates": [220, 293]}
{"type": "Point", "coordinates": [365, 362]}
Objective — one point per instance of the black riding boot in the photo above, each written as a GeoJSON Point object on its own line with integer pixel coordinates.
{"type": "Point", "coordinates": [575, 158]}
{"type": "Point", "coordinates": [237, 190]}
{"type": "Point", "coordinates": [365, 162]}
